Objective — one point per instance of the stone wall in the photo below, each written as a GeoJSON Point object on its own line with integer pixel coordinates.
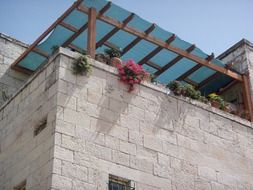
{"type": "Point", "coordinates": [96, 128]}
{"type": "Point", "coordinates": [24, 156]}
{"type": "Point", "coordinates": [10, 80]}
{"type": "Point", "coordinates": [157, 141]}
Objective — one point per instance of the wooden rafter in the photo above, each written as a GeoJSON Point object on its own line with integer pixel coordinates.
{"type": "Point", "coordinates": [68, 26]}
{"type": "Point", "coordinates": [138, 39]}
{"type": "Point", "coordinates": [91, 37]}
{"type": "Point", "coordinates": [153, 65]}
{"type": "Point", "coordinates": [191, 82]}
{"type": "Point", "coordinates": [60, 19]}
{"type": "Point", "coordinates": [163, 44]}
{"type": "Point", "coordinates": [193, 69]}
{"type": "Point", "coordinates": [174, 61]}
{"type": "Point", "coordinates": [113, 31]}
{"type": "Point", "coordinates": [156, 51]}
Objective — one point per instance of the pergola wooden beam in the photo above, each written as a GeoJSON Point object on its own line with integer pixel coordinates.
{"type": "Point", "coordinates": [138, 39]}
{"type": "Point", "coordinates": [163, 44]}
{"type": "Point", "coordinates": [156, 51]}
{"type": "Point", "coordinates": [91, 37]}
{"type": "Point", "coordinates": [174, 61]}
{"type": "Point", "coordinates": [247, 96]}
{"type": "Point", "coordinates": [39, 39]}
{"type": "Point", "coordinates": [113, 31]}
{"type": "Point", "coordinates": [193, 69]}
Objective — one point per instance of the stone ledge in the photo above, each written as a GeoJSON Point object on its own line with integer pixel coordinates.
{"type": "Point", "coordinates": [13, 40]}
{"type": "Point", "coordinates": [159, 88]}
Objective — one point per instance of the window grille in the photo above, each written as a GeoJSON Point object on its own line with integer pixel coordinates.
{"type": "Point", "coordinates": [118, 183]}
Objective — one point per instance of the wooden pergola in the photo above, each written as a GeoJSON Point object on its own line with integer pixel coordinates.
{"type": "Point", "coordinates": [93, 44]}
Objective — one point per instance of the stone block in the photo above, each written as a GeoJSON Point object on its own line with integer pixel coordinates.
{"type": "Point", "coordinates": [61, 182]}
{"type": "Point", "coordinates": [63, 153]}
{"type": "Point", "coordinates": [128, 148]}
{"type": "Point", "coordinates": [120, 158]}
{"type": "Point", "coordinates": [142, 164]}
{"type": "Point", "coordinates": [74, 171]}
{"type": "Point", "coordinates": [207, 173]}
{"type": "Point", "coordinates": [153, 143]}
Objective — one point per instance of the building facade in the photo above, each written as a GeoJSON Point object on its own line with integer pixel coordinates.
{"type": "Point", "coordinates": [63, 131]}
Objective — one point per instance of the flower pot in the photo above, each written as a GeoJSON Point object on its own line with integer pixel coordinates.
{"type": "Point", "coordinates": [215, 104]}
{"type": "Point", "coordinates": [114, 61]}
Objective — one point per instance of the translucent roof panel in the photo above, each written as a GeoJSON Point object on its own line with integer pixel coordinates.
{"type": "Point", "coordinates": [176, 70]}
{"type": "Point", "coordinates": [163, 57]}
{"type": "Point", "coordinates": [149, 69]}
{"type": "Point", "coordinates": [215, 84]}
{"type": "Point", "coordinates": [139, 51]}
{"type": "Point", "coordinates": [32, 61]}
{"type": "Point", "coordinates": [201, 74]}
{"type": "Point", "coordinates": [121, 39]}
{"type": "Point", "coordinates": [76, 19]}
{"type": "Point", "coordinates": [57, 38]}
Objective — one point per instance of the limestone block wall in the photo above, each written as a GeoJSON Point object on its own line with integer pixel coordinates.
{"type": "Point", "coordinates": [10, 80]}
{"type": "Point", "coordinates": [24, 156]}
{"type": "Point", "coordinates": [156, 140]}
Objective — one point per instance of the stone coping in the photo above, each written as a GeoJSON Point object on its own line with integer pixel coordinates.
{"type": "Point", "coordinates": [113, 70]}
{"type": "Point", "coordinates": [13, 40]}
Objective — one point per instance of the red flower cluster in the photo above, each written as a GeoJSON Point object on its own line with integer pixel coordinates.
{"type": "Point", "coordinates": [131, 73]}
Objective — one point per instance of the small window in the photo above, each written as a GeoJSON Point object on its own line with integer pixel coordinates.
{"type": "Point", "coordinates": [40, 127]}
{"type": "Point", "coordinates": [21, 186]}
{"type": "Point", "coordinates": [118, 183]}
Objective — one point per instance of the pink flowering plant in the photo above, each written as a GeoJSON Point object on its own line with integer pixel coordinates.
{"type": "Point", "coordinates": [131, 74]}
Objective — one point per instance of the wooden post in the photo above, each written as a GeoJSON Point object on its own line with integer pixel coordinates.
{"type": "Point", "coordinates": [91, 41]}
{"type": "Point", "coordinates": [247, 96]}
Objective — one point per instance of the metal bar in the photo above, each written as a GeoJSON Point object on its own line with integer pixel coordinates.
{"type": "Point", "coordinates": [91, 37]}
{"type": "Point", "coordinates": [174, 61]}
{"type": "Point", "coordinates": [247, 96]}
{"type": "Point", "coordinates": [60, 19]}
{"type": "Point", "coordinates": [137, 40]}
{"type": "Point", "coordinates": [113, 31]}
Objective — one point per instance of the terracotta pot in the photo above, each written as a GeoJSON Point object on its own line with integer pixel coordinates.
{"type": "Point", "coordinates": [215, 104]}
{"type": "Point", "coordinates": [115, 61]}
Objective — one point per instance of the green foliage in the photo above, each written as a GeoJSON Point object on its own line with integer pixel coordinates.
{"type": "Point", "coordinates": [54, 48]}
{"type": "Point", "coordinates": [213, 97]}
{"type": "Point", "coordinates": [112, 53]}
{"type": "Point", "coordinates": [82, 66]}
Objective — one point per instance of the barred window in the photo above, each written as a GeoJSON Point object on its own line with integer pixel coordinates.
{"type": "Point", "coordinates": [118, 183]}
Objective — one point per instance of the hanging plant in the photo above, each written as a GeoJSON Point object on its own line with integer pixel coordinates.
{"type": "Point", "coordinates": [131, 74]}
{"type": "Point", "coordinates": [82, 66]}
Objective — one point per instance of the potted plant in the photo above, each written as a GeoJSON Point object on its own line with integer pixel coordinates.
{"type": "Point", "coordinates": [114, 56]}
{"type": "Point", "coordinates": [176, 87]}
{"type": "Point", "coordinates": [102, 57]}
{"type": "Point", "coordinates": [217, 101]}
{"type": "Point", "coordinates": [81, 65]}
{"type": "Point", "coordinates": [131, 73]}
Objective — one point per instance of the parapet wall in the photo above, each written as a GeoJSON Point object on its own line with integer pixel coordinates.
{"type": "Point", "coordinates": [10, 80]}
{"type": "Point", "coordinates": [156, 140]}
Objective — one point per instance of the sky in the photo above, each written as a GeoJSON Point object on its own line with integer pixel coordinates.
{"type": "Point", "coordinates": [213, 25]}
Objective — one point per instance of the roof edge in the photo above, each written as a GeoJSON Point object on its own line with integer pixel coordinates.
{"type": "Point", "coordinates": [234, 47]}
{"type": "Point", "coordinates": [13, 40]}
